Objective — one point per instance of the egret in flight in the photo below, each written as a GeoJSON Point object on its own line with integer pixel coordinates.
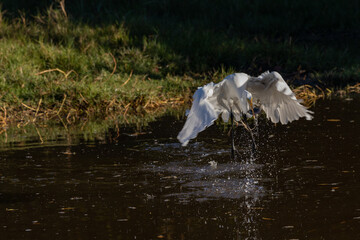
{"type": "Point", "coordinates": [237, 95]}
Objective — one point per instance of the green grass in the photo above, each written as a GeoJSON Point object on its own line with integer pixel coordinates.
{"type": "Point", "coordinates": [114, 57]}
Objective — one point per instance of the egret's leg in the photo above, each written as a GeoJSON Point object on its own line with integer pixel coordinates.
{"type": "Point", "coordinates": [253, 141]}
{"type": "Point", "coordinates": [256, 127]}
{"type": "Point", "coordinates": [250, 131]}
{"type": "Point", "coordinates": [232, 136]}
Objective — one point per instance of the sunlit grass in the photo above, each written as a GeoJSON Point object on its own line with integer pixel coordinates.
{"type": "Point", "coordinates": [73, 62]}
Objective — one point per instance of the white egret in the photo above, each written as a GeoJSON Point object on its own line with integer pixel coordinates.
{"type": "Point", "coordinates": [236, 95]}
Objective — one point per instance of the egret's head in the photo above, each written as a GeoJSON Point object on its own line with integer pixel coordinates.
{"type": "Point", "coordinates": [249, 98]}
{"type": "Point", "coordinates": [250, 102]}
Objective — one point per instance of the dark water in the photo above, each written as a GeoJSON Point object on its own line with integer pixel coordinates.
{"type": "Point", "coordinates": [303, 183]}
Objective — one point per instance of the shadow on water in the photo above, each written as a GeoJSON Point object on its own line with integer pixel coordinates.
{"type": "Point", "coordinates": [303, 183]}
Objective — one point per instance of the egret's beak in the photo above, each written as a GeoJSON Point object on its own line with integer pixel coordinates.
{"type": "Point", "coordinates": [252, 107]}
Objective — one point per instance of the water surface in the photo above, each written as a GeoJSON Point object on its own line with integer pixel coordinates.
{"type": "Point", "coordinates": [302, 183]}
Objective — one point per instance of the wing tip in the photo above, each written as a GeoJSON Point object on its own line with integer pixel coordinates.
{"type": "Point", "coordinates": [183, 141]}
{"type": "Point", "coordinates": [308, 116]}
{"type": "Point", "coordinates": [264, 74]}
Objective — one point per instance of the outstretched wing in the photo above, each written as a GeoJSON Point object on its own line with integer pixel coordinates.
{"type": "Point", "coordinates": [202, 114]}
{"type": "Point", "coordinates": [276, 98]}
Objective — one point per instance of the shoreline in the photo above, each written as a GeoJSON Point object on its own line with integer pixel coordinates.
{"type": "Point", "coordinates": [54, 132]}
{"type": "Point", "coordinates": [22, 114]}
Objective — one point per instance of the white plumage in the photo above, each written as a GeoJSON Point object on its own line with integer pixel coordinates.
{"type": "Point", "coordinates": [236, 93]}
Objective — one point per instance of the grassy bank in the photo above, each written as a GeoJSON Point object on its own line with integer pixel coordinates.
{"type": "Point", "coordinates": [75, 60]}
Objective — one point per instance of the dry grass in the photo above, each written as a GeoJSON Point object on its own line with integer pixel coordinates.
{"type": "Point", "coordinates": [23, 114]}
{"type": "Point", "coordinates": [310, 94]}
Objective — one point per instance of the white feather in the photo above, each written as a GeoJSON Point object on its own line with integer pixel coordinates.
{"type": "Point", "coordinates": [232, 94]}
